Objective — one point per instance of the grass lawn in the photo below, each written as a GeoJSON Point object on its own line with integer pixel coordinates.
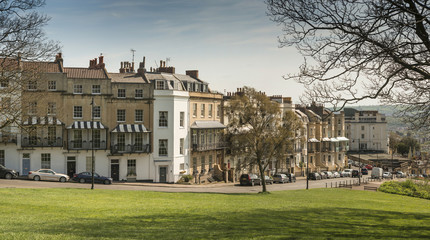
{"type": "Point", "coordinates": [316, 214]}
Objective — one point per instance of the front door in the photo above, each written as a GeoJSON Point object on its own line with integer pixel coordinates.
{"type": "Point", "coordinates": [114, 171]}
{"type": "Point", "coordinates": [25, 166]}
{"type": "Point", "coordinates": [71, 168]}
{"type": "Point", "coordinates": [163, 174]}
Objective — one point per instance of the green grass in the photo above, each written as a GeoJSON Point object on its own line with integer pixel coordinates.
{"type": "Point", "coordinates": [313, 214]}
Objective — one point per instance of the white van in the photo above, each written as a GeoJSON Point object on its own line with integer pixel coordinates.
{"type": "Point", "coordinates": [376, 173]}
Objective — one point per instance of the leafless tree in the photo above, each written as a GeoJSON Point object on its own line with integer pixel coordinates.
{"type": "Point", "coordinates": [22, 43]}
{"type": "Point", "coordinates": [361, 49]}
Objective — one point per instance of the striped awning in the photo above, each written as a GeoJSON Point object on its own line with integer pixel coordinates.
{"type": "Point", "coordinates": [334, 140]}
{"type": "Point", "coordinates": [130, 128]}
{"type": "Point", "coordinates": [42, 121]}
{"type": "Point", "coordinates": [86, 125]}
{"type": "Point", "coordinates": [342, 139]}
{"type": "Point", "coordinates": [313, 140]}
{"type": "Point", "coordinates": [326, 140]}
{"type": "Point", "coordinates": [207, 125]}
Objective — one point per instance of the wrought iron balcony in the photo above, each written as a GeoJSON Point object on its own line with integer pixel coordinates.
{"type": "Point", "coordinates": [41, 142]}
{"type": "Point", "coordinates": [135, 148]}
{"type": "Point", "coordinates": [86, 145]}
{"type": "Point", "coordinates": [208, 146]}
{"type": "Point", "coordinates": [8, 138]}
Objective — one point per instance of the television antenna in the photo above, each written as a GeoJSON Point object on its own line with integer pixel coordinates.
{"type": "Point", "coordinates": [132, 51]}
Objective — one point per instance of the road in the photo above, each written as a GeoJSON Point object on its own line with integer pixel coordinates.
{"type": "Point", "coordinates": [161, 187]}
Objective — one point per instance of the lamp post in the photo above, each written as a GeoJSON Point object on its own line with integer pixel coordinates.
{"type": "Point", "coordinates": [359, 162]}
{"type": "Point", "coordinates": [92, 143]}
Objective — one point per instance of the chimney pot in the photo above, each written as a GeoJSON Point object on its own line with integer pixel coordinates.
{"type": "Point", "coordinates": [100, 59]}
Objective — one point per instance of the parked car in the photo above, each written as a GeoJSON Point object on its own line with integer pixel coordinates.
{"type": "Point", "coordinates": [346, 173]}
{"type": "Point", "coordinates": [269, 180]}
{"type": "Point", "coordinates": [400, 174]}
{"type": "Point", "coordinates": [369, 167]}
{"type": "Point", "coordinates": [7, 173]}
{"type": "Point", "coordinates": [314, 176]}
{"type": "Point", "coordinates": [249, 179]}
{"type": "Point", "coordinates": [329, 174]}
{"type": "Point", "coordinates": [387, 175]}
{"type": "Point", "coordinates": [280, 178]}
{"type": "Point", "coordinates": [364, 171]}
{"type": "Point", "coordinates": [336, 174]}
{"type": "Point", "coordinates": [84, 177]}
{"type": "Point", "coordinates": [291, 177]}
{"type": "Point", "coordinates": [47, 174]}
{"type": "Point", "coordinates": [355, 173]}
{"type": "Point", "coordinates": [323, 175]}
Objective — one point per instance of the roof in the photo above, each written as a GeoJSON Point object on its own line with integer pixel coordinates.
{"type": "Point", "coordinates": [94, 73]}
{"type": "Point", "coordinates": [349, 111]}
{"type": "Point", "coordinates": [45, 67]}
{"type": "Point", "coordinates": [207, 124]}
{"type": "Point", "coordinates": [126, 78]}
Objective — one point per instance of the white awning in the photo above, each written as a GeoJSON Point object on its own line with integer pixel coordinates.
{"type": "Point", "coordinates": [86, 125]}
{"type": "Point", "coordinates": [130, 128]}
{"type": "Point", "coordinates": [326, 139]}
{"type": "Point", "coordinates": [334, 140]}
{"type": "Point", "coordinates": [207, 125]}
{"type": "Point", "coordinates": [42, 121]}
{"type": "Point", "coordinates": [342, 139]}
{"type": "Point", "coordinates": [313, 140]}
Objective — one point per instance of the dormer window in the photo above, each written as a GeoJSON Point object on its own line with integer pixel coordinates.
{"type": "Point", "coordinates": [160, 85]}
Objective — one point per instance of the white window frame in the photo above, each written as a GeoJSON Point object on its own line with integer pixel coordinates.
{"type": "Point", "coordinates": [120, 115]}
{"type": "Point", "coordinates": [163, 120]}
{"type": "Point", "coordinates": [138, 115]}
{"type": "Point", "coordinates": [45, 160]}
{"type": "Point", "coordinates": [138, 93]}
{"type": "Point", "coordinates": [97, 112]}
{"type": "Point", "coordinates": [181, 119]}
{"type": "Point", "coordinates": [77, 112]}
{"type": "Point", "coordinates": [121, 93]}
{"type": "Point", "coordinates": [52, 85]}
{"type": "Point", "coordinates": [52, 108]}
{"type": "Point", "coordinates": [96, 89]}
{"type": "Point", "coordinates": [162, 147]}
{"type": "Point", "coordinates": [77, 89]}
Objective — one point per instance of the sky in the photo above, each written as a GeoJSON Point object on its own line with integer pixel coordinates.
{"type": "Point", "coordinates": [232, 43]}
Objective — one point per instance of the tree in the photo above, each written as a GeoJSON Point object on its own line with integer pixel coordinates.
{"type": "Point", "coordinates": [258, 131]}
{"type": "Point", "coordinates": [22, 42]}
{"type": "Point", "coordinates": [356, 50]}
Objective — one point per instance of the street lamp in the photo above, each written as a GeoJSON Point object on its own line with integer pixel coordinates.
{"type": "Point", "coordinates": [92, 143]}
{"type": "Point", "coordinates": [359, 162]}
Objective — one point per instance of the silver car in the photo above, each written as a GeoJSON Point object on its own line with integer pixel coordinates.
{"type": "Point", "coordinates": [47, 174]}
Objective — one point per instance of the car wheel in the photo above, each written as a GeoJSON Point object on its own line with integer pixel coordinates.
{"type": "Point", "coordinates": [36, 178]}
{"type": "Point", "coordinates": [62, 179]}
{"type": "Point", "coordinates": [82, 180]}
{"type": "Point", "coordinates": [8, 176]}
{"type": "Point", "coordinates": [106, 182]}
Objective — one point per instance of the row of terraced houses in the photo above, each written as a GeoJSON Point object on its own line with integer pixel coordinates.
{"type": "Point", "coordinates": [146, 125]}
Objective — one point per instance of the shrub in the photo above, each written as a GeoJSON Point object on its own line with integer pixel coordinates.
{"type": "Point", "coordinates": [407, 188]}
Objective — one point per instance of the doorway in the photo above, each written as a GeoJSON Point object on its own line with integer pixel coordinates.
{"type": "Point", "coordinates": [114, 169]}
{"type": "Point", "coordinates": [25, 164]}
{"type": "Point", "coordinates": [163, 174]}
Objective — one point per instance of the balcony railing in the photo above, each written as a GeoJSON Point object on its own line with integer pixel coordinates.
{"type": "Point", "coordinates": [136, 148]}
{"type": "Point", "coordinates": [8, 138]}
{"type": "Point", "coordinates": [208, 146]}
{"type": "Point", "coordinates": [86, 145]}
{"type": "Point", "coordinates": [41, 142]}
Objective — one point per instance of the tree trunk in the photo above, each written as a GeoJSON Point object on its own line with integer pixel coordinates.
{"type": "Point", "coordinates": [263, 180]}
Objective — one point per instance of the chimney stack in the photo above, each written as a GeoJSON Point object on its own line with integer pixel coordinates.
{"type": "Point", "coordinates": [193, 73]}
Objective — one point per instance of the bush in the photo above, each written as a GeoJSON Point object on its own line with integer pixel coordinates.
{"type": "Point", "coordinates": [407, 188]}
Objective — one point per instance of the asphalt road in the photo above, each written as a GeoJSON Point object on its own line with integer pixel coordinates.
{"type": "Point", "coordinates": [160, 187]}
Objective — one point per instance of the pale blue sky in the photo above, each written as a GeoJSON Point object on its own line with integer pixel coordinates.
{"type": "Point", "coordinates": [231, 42]}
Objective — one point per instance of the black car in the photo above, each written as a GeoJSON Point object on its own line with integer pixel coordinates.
{"type": "Point", "coordinates": [364, 171]}
{"type": "Point", "coordinates": [249, 179]}
{"type": "Point", "coordinates": [7, 173]}
{"type": "Point", "coordinates": [314, 176]}
{"type": "Point", "coordinates": [84, 177]}
{"type": "Point", "coordinates": [354, 173]}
